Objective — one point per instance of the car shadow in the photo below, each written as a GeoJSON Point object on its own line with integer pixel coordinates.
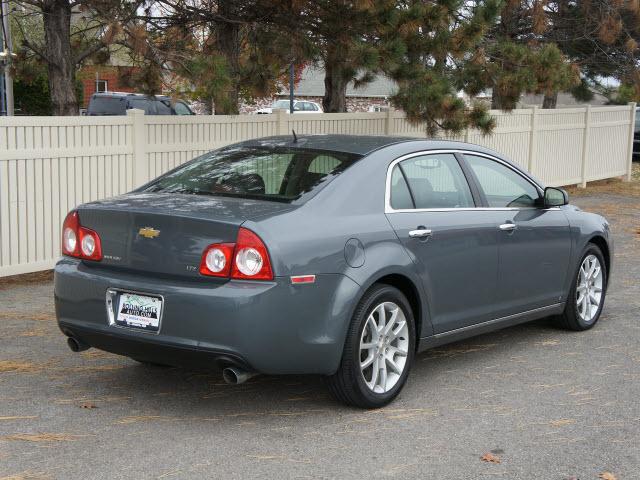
{"type": "Point", "coordinates": [175, 392]}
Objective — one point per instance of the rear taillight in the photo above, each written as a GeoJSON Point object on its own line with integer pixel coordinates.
{"type": "Point", "coordinates": [246, 259]}
{"type": "Point", "coordinates": [216, 260]}
{"type": "Point", "coordinates": [70, 245]}
{"type": "Point", "coordinates": [79, 241]}
{"type": "Point", "coordinates": [251, 257]}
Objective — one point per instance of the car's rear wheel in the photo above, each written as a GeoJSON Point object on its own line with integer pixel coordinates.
{"type": "Point", "coordinates": [588, 291]}
{"type": "Point", "coordinates": [378, 351]}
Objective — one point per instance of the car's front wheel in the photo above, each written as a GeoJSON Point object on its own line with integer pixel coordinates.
{"type": "Point", "coordinates": [378, 351]}
{"type": "Point", "coordinates": [588, 291]}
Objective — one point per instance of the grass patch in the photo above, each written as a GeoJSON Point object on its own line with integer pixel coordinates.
{"type": "Point", "coordinates": [615, 186]}
{"type": "Point", "coordinates": [43, 437]}
{"type": "Point", "coordinates": [28, 476]}
{"type": "Point", "coordinates": [26, 278]}
{"type": "Point", "coordinates": [18, 367]}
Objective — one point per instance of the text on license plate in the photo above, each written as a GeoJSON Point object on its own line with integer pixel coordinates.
{"type": "Point", "coordinates": [139, 311]}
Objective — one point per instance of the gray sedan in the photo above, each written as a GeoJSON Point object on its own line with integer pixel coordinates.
{"type": "Point", "coordinates": [334, 255]}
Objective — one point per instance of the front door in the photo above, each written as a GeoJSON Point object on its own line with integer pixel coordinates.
{"type": "Point", "coordinates": [453, 245]}
{"type": "Point", "coordinates": [535, 243]}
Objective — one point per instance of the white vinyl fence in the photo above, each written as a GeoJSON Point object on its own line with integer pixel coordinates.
{"type": "Point", "coordinates": [48, 165]}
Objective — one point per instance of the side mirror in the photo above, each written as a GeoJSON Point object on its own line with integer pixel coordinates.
{"type": "Point", "coordinates": [555, 197]}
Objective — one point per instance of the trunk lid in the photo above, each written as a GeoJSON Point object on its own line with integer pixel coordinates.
{"type": "Point", "coordinates": [166, 233]}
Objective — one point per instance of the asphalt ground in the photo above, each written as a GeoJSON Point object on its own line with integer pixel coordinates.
{"type": "Point", "coordinates": [546, 403]}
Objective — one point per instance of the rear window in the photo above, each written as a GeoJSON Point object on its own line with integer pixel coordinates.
{"type": "Point", "coordinates": [106, 106]}
{"type": "Point", "coordinates": [143, 104]}
{"type": "Point", "coordinates": [270, 173]}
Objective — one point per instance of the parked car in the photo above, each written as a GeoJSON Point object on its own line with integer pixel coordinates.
{"type": "Point", "coordinates": [115, 103]}
{"type": "Point", "coordinates": [299, 106]}
{"type": "Point", "coordinates": [334, 255]}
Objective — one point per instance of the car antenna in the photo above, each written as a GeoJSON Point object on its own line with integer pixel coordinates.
{"type": "Point", "coordinates": [295, 137]}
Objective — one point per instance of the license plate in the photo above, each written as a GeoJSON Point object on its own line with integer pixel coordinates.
{"type": "Point", "coordinates": [139, 311]}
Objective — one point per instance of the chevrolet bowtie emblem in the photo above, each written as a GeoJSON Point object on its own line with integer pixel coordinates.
{"type": "Point", "coordinates": [148, 232]}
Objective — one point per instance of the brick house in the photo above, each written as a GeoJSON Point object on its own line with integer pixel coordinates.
{"type": "Point", "coordinates": [103, 78]}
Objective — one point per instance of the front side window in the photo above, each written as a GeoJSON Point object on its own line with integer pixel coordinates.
{"type": "Point", "coordinates": [268, 173]}
{"type": "Point", "coordinates": [435, 181]}
{"type": "Point", "coordinates": [502, 186]}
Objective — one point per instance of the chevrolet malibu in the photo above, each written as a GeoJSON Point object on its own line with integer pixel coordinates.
{"type": "Point", "coordinates": [335, 255]}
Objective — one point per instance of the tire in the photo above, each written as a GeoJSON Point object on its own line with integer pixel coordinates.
{"type": "Point", "coordinates": [358, 387]}
{"type": "Point", "coordinates": [573, 317]}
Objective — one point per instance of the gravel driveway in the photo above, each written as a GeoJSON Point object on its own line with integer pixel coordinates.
{"type": "Point", "coordinates": [548, 404]}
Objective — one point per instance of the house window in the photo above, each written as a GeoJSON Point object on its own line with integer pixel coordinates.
{"type": "Point", "coordinates": [101, 86]}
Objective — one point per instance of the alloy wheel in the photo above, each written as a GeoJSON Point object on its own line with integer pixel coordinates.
{"type": "Point", "coordinates": [384, 346]}
{"type": "Point", "coordinates": [589, 288]}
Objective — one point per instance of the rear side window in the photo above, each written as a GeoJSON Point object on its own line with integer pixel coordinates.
{"type": "Point", "coordinates": [400, 195]}
{"type": "Point", "coordinates": [181, 109]}
{"type": "Point", "coordinates": [107, 106]}
{"type": "Point", "coordinates": [436, 181]}
{"type": "Point", "coordinates": [143, 104]}
{"type": "Point", "coordinates": [501, 185]}
{"type": "Point", "coordinates": [163, 107]}
{"type": "Point", "coordinates": [271, 173]}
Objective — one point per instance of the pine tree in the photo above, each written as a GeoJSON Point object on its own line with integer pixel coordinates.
{"type": "Point", "coordinates": [425, 46]}
{"type": "Point", "coordinates": [516, 57]}
{"type": "Point", "coordinates": [602, 38]}
{"type": "Point", "coordinates": [227, 50]}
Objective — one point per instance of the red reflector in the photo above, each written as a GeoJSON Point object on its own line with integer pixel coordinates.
{"type": "Point", "coordinates": [303, 279]}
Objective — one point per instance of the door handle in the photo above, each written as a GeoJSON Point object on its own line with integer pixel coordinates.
{"type": "Point", "coordinates": [508, 227]}
{"type": "Point", "coordinates": [420, 233]}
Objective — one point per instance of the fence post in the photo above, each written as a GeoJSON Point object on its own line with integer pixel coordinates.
{"type": "Point", "coordinates": [585, 147]}
{"type": "Point", "coordinates": [388, 121]}
{"type": "Point", "coordinates": [532, 140]}
{"type": "Point", "coordinates": [632, 107]}
{"type": "Point", "coordinates": [141, 174]}
{"type": "Point", "coordinates": [281, 118]}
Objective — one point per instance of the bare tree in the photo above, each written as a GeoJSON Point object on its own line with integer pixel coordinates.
{"type": "Point", "coordinates": [74, 31]}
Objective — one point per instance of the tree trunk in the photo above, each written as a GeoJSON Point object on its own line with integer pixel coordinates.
{"type": "Point", "coordinates": [550, 101]}
{"type": "Point", "coordinates": [496, 100]}
{"type": "Point", "coordinates": [335, 86]}
{"type": "Point", "coordinates": [228, 44]}
{"type": "Point", "coordinates": [61, 65]}
{"type": "Point", "coordinates": [208, 105]}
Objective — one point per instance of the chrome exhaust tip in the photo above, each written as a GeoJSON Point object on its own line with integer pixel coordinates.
{"type": "Point", "coordinates": [76, 345]}
{"type": "Point", "coordinates": [235, 376]}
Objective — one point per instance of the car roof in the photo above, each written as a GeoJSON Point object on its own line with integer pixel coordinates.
{"type": "Point", "coordinates": [129, 95]}
{"type": "Point", "coordinates": [357, 144]}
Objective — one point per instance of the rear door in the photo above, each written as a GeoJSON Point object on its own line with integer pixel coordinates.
{"type": "Point", "coordinates": [432, 208]}
{"type": "Point", "coordinates": [535, 243]}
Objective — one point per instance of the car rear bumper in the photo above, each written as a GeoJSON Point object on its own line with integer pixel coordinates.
{"type": "Point", "coordinates": [269, 327]}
